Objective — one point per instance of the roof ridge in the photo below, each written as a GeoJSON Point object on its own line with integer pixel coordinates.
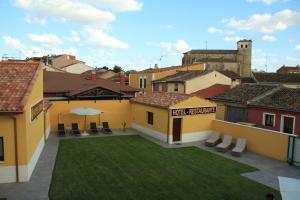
{"type": "Point", "coordinates": [270, 92]}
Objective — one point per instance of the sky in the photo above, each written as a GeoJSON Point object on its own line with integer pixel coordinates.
{"type": "Point", "coordinates": [136, 34]}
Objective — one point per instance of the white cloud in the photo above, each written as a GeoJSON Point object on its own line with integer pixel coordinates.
{"type": "Point", "coordinates": [293, 59]}
{"type": "Point", "coordinates": [269, 38]}
{"type": "Point", "coordinates": [45, 39]}
{"type": "Point", "coordinates": [35, 20]}
{"type": "Point", "coordinates": [179, 47]}
{"type": "Point", "coordinates": [68, 10]}
{"type": "Point", "coordinates": [232, 39]}
{"type": "Point", "coordinates": [74, 37]}
{"type": "Point", "coordinates": [297, 47]}
{"type": "Point", "coordinates": [168, 26]}
{"type": "Point", "coordinates": [266, 22]}
{"type": "Point", "coordinates": [267, 2]}
{"type": "Point", "coordinates": [96, 38]}
{"type": "Point", "coordinates": [12, 42]}
{"type": "Point", "coordinates": [31, 51]}
{"type": "Point", "coordinates": [214, 30]}
{"type": "Point", "coordinates": [117, 5]}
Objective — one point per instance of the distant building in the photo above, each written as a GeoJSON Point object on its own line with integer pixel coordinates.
{"type": "Point", "coordinates": [188, 82]}
{"type": "Point", "coordinates": [143, 80]}
{"type": "Point", "coordinates": [289, 69]}
{"type": "Point", "coordinates": [238, 61]}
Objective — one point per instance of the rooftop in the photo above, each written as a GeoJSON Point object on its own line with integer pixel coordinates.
{"type": "Point", "coordinates": [16, 82]}
{"type": "Point", "coordinates": [55, 82]}
{"type": "Point", "coordinates": [152, 70]}
{"type": "Point", "coordinates": [287, 99]}
{"type": "Point", "coordinates": [264, 77]}
{"type": "Point", "coordinates": [211, 51]}
{"type": "Point", "coordinates": [160, 99]}
{"type": "Point", "coordinates": [241, 94]}
{"type": "Point", "coordinates": [212, 91]}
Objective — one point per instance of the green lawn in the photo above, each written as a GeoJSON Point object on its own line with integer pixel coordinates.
{"type": "Point", "coordinates": [130, 167]}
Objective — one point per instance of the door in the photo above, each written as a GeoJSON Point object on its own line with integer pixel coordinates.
{"type": "Point", "coordinates": [294, 151]}
{"type": "Point", "coordinates": [176, 129]}
{"type": "Point", "coordinates": [288, 125]}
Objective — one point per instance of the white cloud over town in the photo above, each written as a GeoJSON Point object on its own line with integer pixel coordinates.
{"type": "Point", "coordinates": [269, 38]}
{"type": "Point", "coordinates": [267, 2]}
{"type": "Point", "coordinates": [232, 38]}
{"type": "Point", "coordinates": [45, 39]}
{"type": "Point", "coordinates": [266, 23]}
{"type": "Point", "coordinates": [297, 47]}
{"type": "Point", "coordinates": [178, 47]}
{"type": "Point", "coordinates": [214, 30]}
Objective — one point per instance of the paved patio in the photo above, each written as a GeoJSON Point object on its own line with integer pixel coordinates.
{"type": "Point", "coordinates": [38, 186]}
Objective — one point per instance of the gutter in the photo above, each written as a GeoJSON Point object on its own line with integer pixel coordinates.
{"type": "Point", "coordinates": [16, 148]}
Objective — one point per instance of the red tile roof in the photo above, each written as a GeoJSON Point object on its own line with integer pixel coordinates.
{"type": "Point", "coordinates": [16, 82]}
{"type": "Point", "coordinates": [153, 70]}
{"type": "Point", "coordinates": [212, 91]}
{"type": "Point", "coordinates": [160, 99]}
{"type": "Point", "coordinates": [56, 82]}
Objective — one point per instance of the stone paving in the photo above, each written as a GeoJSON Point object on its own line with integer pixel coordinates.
{"type": "Point", "coordinates": [38, 186]}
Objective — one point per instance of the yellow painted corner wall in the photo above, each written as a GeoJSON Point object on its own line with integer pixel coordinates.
{"type": "Point", "coordinates": [115, 112]}
{"type": "Point", "coordinates": [47, 118]}
{"type": "Point", "coordinates": [7, 132]}
{"type": "Point", "coordinates": [261, 141]}
{"type": "Point", "coordinates": [135, 81]}
{"type": "Point", "coordinates": [160, 117]}
{"type": "Point", "coordinates": [206, 81]}
{"type": "Point", "coordinates": [194, 123]}
{"type": "Point", "coordinates": [221, 110]}
{"type": "Point", "coordinates": [34, 129]}
{"type": "Point", "coordinates": [162, 74]}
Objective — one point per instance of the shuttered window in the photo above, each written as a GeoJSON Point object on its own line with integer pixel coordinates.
{"type": "Point", "coordinates": [1, 149]}
{"type": "Point", "coordinates": [150, 118]}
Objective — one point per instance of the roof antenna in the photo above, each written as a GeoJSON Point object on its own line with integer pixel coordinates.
{"type": "Point", "coordinates": [266, 65]}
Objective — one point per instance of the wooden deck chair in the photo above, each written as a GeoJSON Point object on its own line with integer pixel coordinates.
{"type": "Point", "coordinates": [106, 128]}
{"type": "Point", "coordinates": [225, 144]}
{"type": "Point", "coordinates": [93, 128]}
{"type": "Point", "coordinates": [61, 130]}
{"type": "Point", "coordinates": [75, 129]}
{"type": "Point", "coordinates": [213, 140]}
{"type": "Point", "coordinates": [240, 147]}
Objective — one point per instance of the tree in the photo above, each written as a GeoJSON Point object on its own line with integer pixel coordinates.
{"type": "Point", "coordinates": [117, 69]}
{"type": "Point", "coordinates": [105, 67]}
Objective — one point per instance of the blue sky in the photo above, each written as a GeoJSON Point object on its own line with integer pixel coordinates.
{"type": "Point", "coordinates": [136, 34]}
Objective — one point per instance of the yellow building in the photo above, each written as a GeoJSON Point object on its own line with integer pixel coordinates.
{"type": "Point", "coordinates": [143, 79]}
{"type": "Point", "coordinates": [189, 82]}
{"type": "Point", "coordinates": [24, 122]}
{"type": "Point", "coordinates": [172, 117]}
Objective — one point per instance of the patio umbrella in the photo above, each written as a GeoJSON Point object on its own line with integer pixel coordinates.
{"type": "Point", "coordinates": [85, 112]}
{"type": "Point", "coordinates": [289, 188]}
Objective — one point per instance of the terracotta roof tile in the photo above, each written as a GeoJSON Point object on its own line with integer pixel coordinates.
{"type": "Point", "coordinates": [160, 99]}
{"type": "Point", "coordinates": [16, 81]}
{"type": "Point", "coordinates": [152, 70]}
{"type": "Point", "coordinates": [263, 77]}
{"type": "Point", "coordinates": [212, 91]}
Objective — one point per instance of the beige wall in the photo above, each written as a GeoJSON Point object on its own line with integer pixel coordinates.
{"type": "Point", "coordinates": [265, 142]}
{"type": "Point", "coordinates": [77, 68]}
{"type": "Point", "coordinates": [206, 81]}
{"type": "Point", "coordinates": [62, 61]}
{"type": "Point", "coordinates": [171, 88]}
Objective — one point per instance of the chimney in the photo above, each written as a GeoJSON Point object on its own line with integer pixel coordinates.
{"type": "Point", "coordinates": [93, 75]}
{"type": "Point", "coordinates": [155, 66]}
{"type": "Point", "coordinates": [122, 78]}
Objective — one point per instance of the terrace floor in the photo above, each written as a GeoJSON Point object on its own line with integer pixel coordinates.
{"type": "Point", "coordinates": [39, 184]}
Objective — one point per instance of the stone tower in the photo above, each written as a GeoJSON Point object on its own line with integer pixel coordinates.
{"type": "Point", "coordinates": [244, 56]}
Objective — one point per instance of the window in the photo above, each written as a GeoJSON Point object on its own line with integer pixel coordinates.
{"type": "Point", "coordinates": [269, 119]}
{"type": "Point", "coordinates": [150, 117]}
{"type": "Point", "coordinates": [242, 46]}
{"type": "Point", "coordinates": [176, 87]}
{"type": "Point", "coordinates": [141, 83]}
{"type": "Point", "coordinates": [246, 46]}
{"type": "Point", "coordinates": [145, 82]}
{"type": "Point", "coordinates": [288, 124]}
{"type": "Point", "coordinates": [1, 149]}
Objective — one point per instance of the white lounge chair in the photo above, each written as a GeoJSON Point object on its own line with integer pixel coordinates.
{"type": "Point", "coordinates": [213, 140]}
{"type": "Point", "coordinates": [240, 147]}
{"type": "Point", "coordinates": [225, 144]}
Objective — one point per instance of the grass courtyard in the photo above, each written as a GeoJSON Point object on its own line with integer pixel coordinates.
{"type": "Point", "coordinates": [130, 167]}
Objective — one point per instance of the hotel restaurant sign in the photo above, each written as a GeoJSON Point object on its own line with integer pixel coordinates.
{"type": "Point", "coordinates": [193, 111]}
{"type": "Point", "coordinates": [36, 110]}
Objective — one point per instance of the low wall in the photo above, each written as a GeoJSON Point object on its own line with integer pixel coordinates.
{"type": "Point", "coordinates": [265, 142]}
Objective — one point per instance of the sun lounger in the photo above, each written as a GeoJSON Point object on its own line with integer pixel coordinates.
{"type": "Point", "coordinates": [106, 128]}
{"type": "Point", "coordinates": [225, 144]}
{"type": "Point", "coordinates": [93, 128]}
{"type": "Point", "coordinates": [240, 147]}
{"type": "Point", "coordinates": [213, 140]}
{"type": "Point", "coordinates": [61, 130]}
{"type": "Point", "coordinates": [75, 129]}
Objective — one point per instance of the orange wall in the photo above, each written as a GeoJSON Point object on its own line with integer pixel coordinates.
{"type": "Point", "coordinates": [114, 111]}
{"type": "Point", "coordinates": [261, 141]}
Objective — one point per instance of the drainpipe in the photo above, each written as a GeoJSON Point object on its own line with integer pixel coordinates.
{"type": "Point", "coordinates": [168, 128]}
{"type": "Point", "coordinates": [16, 148]}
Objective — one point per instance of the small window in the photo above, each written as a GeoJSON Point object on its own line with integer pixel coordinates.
{"type": "Point", "coordinates": [176, 87]}
{"type": "Point", "coordinates": [141, 83]}
{"type": "Point", "coordinates": [1, 149]}
{"type": "Point", "coordinates": [145, 82]}
{"type": "Point", "coordinates": [150, 117]}
{"type": "Point", "coordinates": [246, 46]}
{"type": "Point", "coordinates": [269, 120]}
{"type": "Point", "coordinates": [242, 46]}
